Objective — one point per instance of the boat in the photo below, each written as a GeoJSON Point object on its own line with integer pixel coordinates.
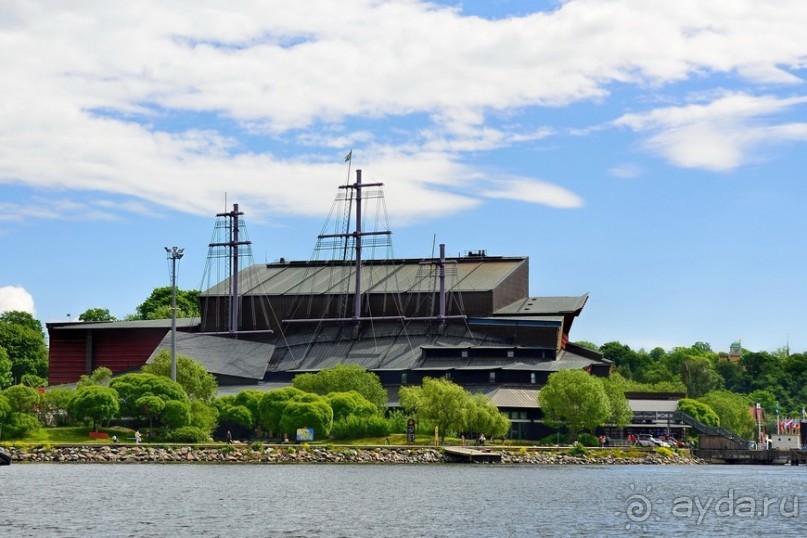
{"type": "Point", "coordinates": [5, 457]}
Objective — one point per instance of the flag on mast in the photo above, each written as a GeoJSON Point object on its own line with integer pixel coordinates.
{"type": "Point", "coordinates": [349, 156]}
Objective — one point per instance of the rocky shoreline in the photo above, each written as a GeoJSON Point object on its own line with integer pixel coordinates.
{"type": "Point", "coordinates": [278, 454]}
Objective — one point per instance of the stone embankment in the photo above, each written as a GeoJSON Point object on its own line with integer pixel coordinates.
{"type": "Point", "coordinates": [313, 454]}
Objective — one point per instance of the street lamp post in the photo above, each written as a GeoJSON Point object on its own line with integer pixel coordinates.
{"type": "Point", "coordinates": [174, 254]}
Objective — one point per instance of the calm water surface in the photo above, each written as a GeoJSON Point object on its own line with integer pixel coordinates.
{"type": "Point", "coordinates": [401, 500]}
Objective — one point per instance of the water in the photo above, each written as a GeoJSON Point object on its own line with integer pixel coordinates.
{"type": "Point", "coordinates": [400, 500]}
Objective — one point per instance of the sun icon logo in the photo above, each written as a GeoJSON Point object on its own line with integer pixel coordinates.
{"type": "Point", "coordinates": [638, 508]}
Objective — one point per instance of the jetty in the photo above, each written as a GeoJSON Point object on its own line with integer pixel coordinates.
{"type": "Point", "coordinates": [472, 455]}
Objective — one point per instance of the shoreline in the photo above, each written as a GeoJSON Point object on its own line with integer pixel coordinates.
{"type": "Point", "coordinates": [286, 454]}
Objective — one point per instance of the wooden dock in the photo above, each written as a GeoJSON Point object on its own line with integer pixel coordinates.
{"type": "Point", "coordinates": [471, 455]}
{"type": "Point", "coordinates": [755, 457]}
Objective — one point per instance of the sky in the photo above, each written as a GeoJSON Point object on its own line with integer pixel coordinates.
{"type": "Point", "coordinates": [648, 153]}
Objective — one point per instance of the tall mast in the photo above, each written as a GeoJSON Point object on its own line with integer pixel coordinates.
{"type": "Point", "coordinates": [357, 235]}
{"type": "Point", "coordinates": [232, 246]}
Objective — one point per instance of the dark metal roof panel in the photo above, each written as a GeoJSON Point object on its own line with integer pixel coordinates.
{"type": "Point", "coordinates": [394, 276]}
{"type": "Point", "coordinates": [182, 323]}
{"type": "Point", "coordinates": [544, 306]}
{"type": "Point", "coordinates": [222, 356]}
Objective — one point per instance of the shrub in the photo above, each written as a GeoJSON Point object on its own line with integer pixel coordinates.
{"type": "Point", "coordinates": [187, 434]}
{"type": "Point", "coordinates": [663, 451]}
{"type": "Point", "coordinates": [554, 439]}
{"type": "Point", "coordinates": [354, 427]}
{"type": "Point", "coordinates": [578, 450]}
{"type": "Point", "coordinates": [257, 446]}
{"type": "Point", "coordinates": [586, 439]}
{"type": "Point", "coordinates": [19, 425]}
{"type": "Point", "coordinates": [397, 421]}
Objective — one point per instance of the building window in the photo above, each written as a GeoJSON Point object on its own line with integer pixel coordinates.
{"type": "Point", "coordinates": [448, 376]}
{"type": "Point", "coordinates": [511, 354]}
{"type": "Point", "coordinates": [403, 378]}
{"type": "Point", "coordinates": [464, 353]}
{"type": "Point", "coordinates": [532, 378]}
{"type": "Point", "coordinates": [492, 377]}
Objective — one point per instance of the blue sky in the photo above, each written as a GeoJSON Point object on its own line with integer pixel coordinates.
{"type": "Point", "coordinates": [648, 153]}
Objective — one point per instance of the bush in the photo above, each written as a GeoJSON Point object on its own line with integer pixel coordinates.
{"type": "Point", "coordinates": [354, 427]}
{"type": "Point", "coordinates": [20, 425]}
{"type": "Point", "coordinates": [586, 439]}
{"type": "Point", "coordinates": [578, 450]}
{"type": "Point", "coordinates": [187, 434]}
{"type": "Point", "coordinates": [257, 446]}
{"type": "Point", "coordinates": [397, 421]}
{"type": "Point", "coordinates": [554, 439]}
{"type": "Point", "coordinates": [663, 451]}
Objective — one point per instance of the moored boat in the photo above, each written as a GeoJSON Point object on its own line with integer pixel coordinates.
{"type": "Point", "coordinates": [5, 457]}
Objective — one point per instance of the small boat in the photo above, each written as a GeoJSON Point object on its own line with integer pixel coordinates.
{"type": "Point", "coordinates": [5, 457]}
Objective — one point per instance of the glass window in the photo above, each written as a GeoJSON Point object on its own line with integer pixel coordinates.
{"type": "Point", "coordinates": [492, 377]}
{"type": "Point", "coordinates": [403, 378]}
{"type": "Point", "coordinates": [532, 378]}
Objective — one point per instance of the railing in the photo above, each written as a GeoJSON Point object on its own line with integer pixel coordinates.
{"type": "Point", "coordinates": [711, 430]}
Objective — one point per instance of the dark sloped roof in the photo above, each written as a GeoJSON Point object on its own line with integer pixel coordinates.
{"type": "Point", "coordinates": [222, 356]}
{"type": "Point", "coordinates": [389, 276]}
{"type": "Point", "coordinates": [538, 306]}
{"type": "Point", "coordinates": [182, 323]}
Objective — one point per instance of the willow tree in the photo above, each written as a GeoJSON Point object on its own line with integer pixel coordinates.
{"type": "Point", "coordinates": [575, 399]}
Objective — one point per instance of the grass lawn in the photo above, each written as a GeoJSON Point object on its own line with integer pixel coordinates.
{"type": "Point", "coordinates": [75, 435]}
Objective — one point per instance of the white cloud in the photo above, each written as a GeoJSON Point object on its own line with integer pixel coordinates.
{"type": "Point", "coordinates": [535, 192]}
{"type": "Point", "coordinates": [625, 171]}
{"type": "Point", "coordinates": [16, 298]}
{"type": "Point", "coordinates": [107, 96]}
{"type": "Point", "coordinates": [720, 135]}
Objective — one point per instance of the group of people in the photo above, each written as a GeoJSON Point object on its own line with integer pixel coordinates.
{"type": "Point", "coordinates": [603, 440]}
{"type": "Point", "coordinates": [479, 440]}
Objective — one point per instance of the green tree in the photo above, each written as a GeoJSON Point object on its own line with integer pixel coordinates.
{"type": "Point", "coordinates": [158, 304]}
{"type": "Point", "coordinates": [733, 410]}
{"type": "Point", "coordinates": [176, 414]}
{"type": "Point", "coordinates": [251, 399]}
{"type": "Point", "coordinates": [100, 376]}
{"type": "Point", "coordinates": [699, 376]}
{"type": "Point", "coordinates": [344, 378]}
{"type": "Point", "coordinates": [271, 406]}
{"type": "Point", "coordinates": [574, 398]}
{"type": "Point", "coordinates": [191, 374]}
{"type": "Point", "coordinates": [620, 412]}
{"type": "Point", "coordinates": [238, 415]}
{"type": "Point", "coordinates": [131, 387]}
{"type": "Point", "coordinates": [20, 419]}
{"type": "Point", "coordinates": [23, 399]}
{"type": "Point", "coordinates": [345, 404]}
{"type": "Point", "coordinates": [5, 409]}
{"type": "Point", "coordinates": [306, 412]}
{"type": "Point", "coordinates": [5, 369]}
{"type": "Point", "coordinates": [483, 417]}
{"type": "Point", "coordinates": [94, 402]}
{"type": "Point", "coordinates": [96, 314]}
{"type": "Point", "coordinates": [151, 407]}
{"type": "Point", "coordinates": [444, 404]}
{"type": "Point", "coordinates": [22, 337]}
{"type": "Point", "coordinates": [699, 411]}
{"type": "Point", "coordinates": [54, 409]}
{"type": "Point", "coordinates": [204, 416]}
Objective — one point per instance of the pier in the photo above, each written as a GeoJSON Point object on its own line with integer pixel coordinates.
{"type": "Point", "coordinates": [471, 455]}
{"type": "Point", "coordinates": [749, 456]}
